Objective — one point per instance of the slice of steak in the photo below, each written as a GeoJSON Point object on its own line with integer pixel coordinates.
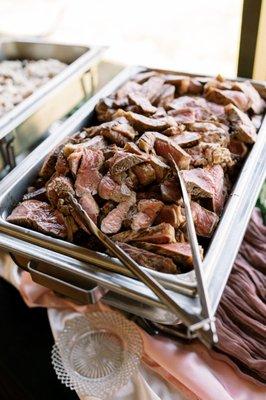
{"type": "Point", "coordinates": [56, 190]}
{"type": "Point", "coordinates": [211, 132]}
{"type": "Point", "coordinates": [224, 97]}
{"type": "Point", "coordinates": [142, 102]}
{"type": "Point", "coordinates": [205, 221]}
{"type": "Point", "coordinates": [112, 223]}
{"type": "Point", "coordinates": [142, 123]}
{"type": "Point", "coordinates": [48, 166]}
{"type": "Point", "coordinates": [39, 194]}
{"type": "Point", "coordinates": [131, 147]}
{"type": "Point", "coordinates": [109, 190]}
{"type": "Point", "coordinates": [145, 173]}
{"type": "Point", "coordinates": [179, 252]}
{"type": "Point", "coordinates": [128, 88]}
{"type": "Point", "coordinates": [167, 148]}
{"type": "Point", "coordinates": [217, 110]}
{"type": "Point", "coordinates": [257, 104]}
{"type": "Point", "coordinates": [207, 183]}
{"type": "Point", "coordinates": [187, 102]}
{"type": "Point", "coordinates": [183, 115]}
{"type": "Point", "coordinates": [242, 126]}
{"type": "Point", "coordinates": [117, 131]}
{"type": "Point", "coordinates": [39, 216]}
{"type": "Point", "coordinates": [181, 82]}
{"type": "Point", "coordinates": [147, 212]}
{"type": "Point", "coordinates": [61, 166]}
{"type": "Point", "coordinates": [146, 142]}
{"type": "Point", "coordinates": [172, 214]}
{"type": "Point", "coordinates": [89, 204]}
{"type": "Point", "coordinates": [166, 95]}
{"type": "Point", "coordinates": [238, 148]}
{"type": "Point", "coordinates": [162, 233]}
{"type": "Point", "coordinates": [123, 161]}
{"type": "Point", "coordinates": [88, 175]}
{"type": "Point", "coordinates": [174, 130]}
{"type": "Point", "coordinates": [149, 260]}
{"type": "Point", "coordinates": [74, 160]}
{"type": "Point", "coordinates": [195, 86]}
{"type": "Point", "coordinates": [105, 109]}
{"type": "Point", "coordinates": [161, 169]}
{"type": "Point", "coordinates": [144, 76]}
{"type": "Point", "coordinates": [152, 87]}
{"type": "Point", "coordinates": [187, 139]}
{"type": "Point", "coordinates": [170, 190]}
{"type": "Point", "coordinates": [95, 143]}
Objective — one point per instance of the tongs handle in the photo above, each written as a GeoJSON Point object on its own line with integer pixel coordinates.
{"type": "Point", "coordinates": [143, 275]}
{"type": "Point", "coordinates": [197, 262]}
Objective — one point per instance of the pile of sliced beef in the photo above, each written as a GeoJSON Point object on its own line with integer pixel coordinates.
{"type": "Point", "coordinates": [120, 169]}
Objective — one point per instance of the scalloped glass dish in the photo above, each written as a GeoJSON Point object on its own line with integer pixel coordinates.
{"type": "Point", "coordinates": [97, 353]}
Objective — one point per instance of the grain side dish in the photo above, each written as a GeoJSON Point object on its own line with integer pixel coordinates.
{"type": "Point", "coordinates": [19, 79]}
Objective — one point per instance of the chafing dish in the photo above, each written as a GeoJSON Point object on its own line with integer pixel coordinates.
{"type": "Point", "coordinates": [23, 126]}
{"type": "Point", "coordinates": [69, 261]}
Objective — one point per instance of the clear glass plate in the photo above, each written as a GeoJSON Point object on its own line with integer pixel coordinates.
{"type": "Point", "coordinates": [97, 353]}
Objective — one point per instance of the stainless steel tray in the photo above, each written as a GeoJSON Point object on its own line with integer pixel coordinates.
{"type": "Point", "coordinates": [22, 127]}
{"type": "Point", "coordinates": [218, 260]}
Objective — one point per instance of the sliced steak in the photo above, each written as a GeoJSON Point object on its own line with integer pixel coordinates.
{"type": "Point", "coordinates": [143, 123]}
{"type": "Point", "coordinates": [211, 154]}
{"type": "Point", "coordinates": [207, 183]}
{"type": "Point", "coordinates": [225, 97]}
{"type": "Point", "coordinates": [145, 173]}
{"type": "Point", "coordinates": [174, 130]}
{"type": "Point", "coordinates": [117, 131]}
{"type": "Point", "coordinates": [162, 233]}
{"type": "Point", "coordinates": [132, 147]}
{"type": "Point", "coordinates": [257, 104]}
{"type": "Point", "coordinates": [172, 214]}
{"type": "Point", "coordinates": [39, 216]}
{"type": "Point", "coordinates": [112, 223]}
{"type": "Point", "coordinates": [144, 76]}
{"type": "Point", "coordinates": [166, 147]}
{"type": "Point", "coordinates": [142, 102]}
{"type": "Point", "coordinates": [166, 95]}
{"type": "Point", "coordinates": [147, 212]}
{"type": "Point", "coordinates": [242, 126]}
{"type": "Point", "coordinates": [56, 190]}
{"type": "Point", "coordinates": [181, 82]}
{"type": "Point", "coordinates": [48, 167]}
{"type": "Point", "coordinates": [179, 252]}
{"type": "Point", "coordinates": [205, 221]}
{"type": "Point", "coordinates": [160, 167]}
{"type": "Point", "coordinates": [152, 87]}
{"type": "Point", "coordinates": [128, 88]}
{"type": "Point", "coordinates": [187, 139]}
{"type": "Point", "coordinates": [89, 204]}
{"type": "Point", "coordinates": [88, 175]}
{"type": "Point", "coordinates": [109, 190]}
{"type": "Point", "coordinates": [146, 142]}
{"type": "Point", "coordinates": [170, 190]}
{"type": "Point", "coordinates": [61, 166]}
{"type": "Point", "coordinates": [195, 86]}
{"type": "Point", "coordinates": [183, 115]}
{"type": "Point", "coordinates": [95, 143]}
{"type": "Point", "coordinates": [149, 260]}
{"type": "Point", "coordinates": [123, 161]}
{"type": "Point", "coordinates": [238, 148]}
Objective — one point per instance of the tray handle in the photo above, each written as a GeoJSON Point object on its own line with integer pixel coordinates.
{"type": "Point", "coordinates": [91, 295]}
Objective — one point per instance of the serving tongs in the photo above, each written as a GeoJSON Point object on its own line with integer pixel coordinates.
{"type": "Point", "coordinates": [140, 273]}
{"type": "Point", "coordinates": [206, 309]}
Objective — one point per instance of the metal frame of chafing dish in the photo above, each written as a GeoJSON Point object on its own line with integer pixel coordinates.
{"type": "Point", "coordinates": [26, 123]}
{"type": "Point", "coordinates": [70, 259]}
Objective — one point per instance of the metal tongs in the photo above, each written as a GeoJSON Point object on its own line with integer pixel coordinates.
{"type": "Point", "coordinates": [206, 310]}
{"type": "Point", "coordinates": [140, 273]}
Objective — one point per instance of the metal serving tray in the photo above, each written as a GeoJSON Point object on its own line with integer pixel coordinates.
{"type": "Point", "coordinates": [76, 260]}
{"type": "Point", "coordinates": [25, 124]}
